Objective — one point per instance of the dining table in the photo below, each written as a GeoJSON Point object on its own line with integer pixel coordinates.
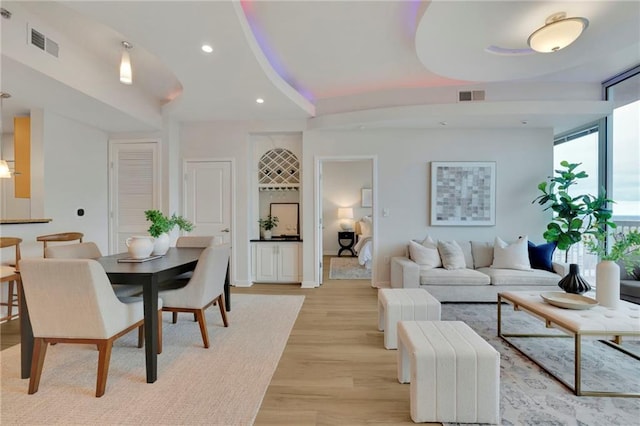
{"type": "Point", "coordinates": [148, 274]}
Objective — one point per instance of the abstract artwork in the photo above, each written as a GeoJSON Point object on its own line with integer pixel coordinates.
{"type": "Point", "coordinates": [463, 193]}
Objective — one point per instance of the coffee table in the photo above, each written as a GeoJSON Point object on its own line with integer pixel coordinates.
{"type": "Point", "coordinates": [596, 322]}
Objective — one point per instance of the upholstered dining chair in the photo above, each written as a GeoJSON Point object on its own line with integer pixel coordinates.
{"type": "Point", "coordinates": [89, 250]}
{"type": "Point", "coordinates": [9, 274]}
{"type": "Point", "coordinates": [194, 241]}
{"type": "Point", "coordinates": [71, 301]}
{"type": "Point", "coordinates": [205, 287]}
{"type": "Point", "coordinates": [186, 241]}
{"type": "Point", "coordinates": [59, 237]}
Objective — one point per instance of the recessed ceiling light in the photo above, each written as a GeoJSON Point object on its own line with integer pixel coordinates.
{"type": "Point", "coordinates": [443, 123]}
{"type": "Point", "coordinates": [207, 48]}
{"type": "Point", "coordinates": [260, 100]}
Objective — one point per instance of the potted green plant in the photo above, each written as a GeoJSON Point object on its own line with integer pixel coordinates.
{"type": "Point", "coordinates": [160, 227]}
{"type": "Point", "coordinates": [574, 216]}
{"type": "Point", "coordinates": [613, 248]}
{"type": "Point", "coordinates": [268, 223]}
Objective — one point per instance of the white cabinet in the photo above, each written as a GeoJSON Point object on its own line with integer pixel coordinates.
{"type": "Point", "coordinates": [276, 262]}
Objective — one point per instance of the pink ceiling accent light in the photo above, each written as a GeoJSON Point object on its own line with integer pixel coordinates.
{"type": "Point", "coordinates": [269, 52]}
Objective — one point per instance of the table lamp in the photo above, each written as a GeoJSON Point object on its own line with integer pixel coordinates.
{"type": "Point", "coordinates": [346, 216]}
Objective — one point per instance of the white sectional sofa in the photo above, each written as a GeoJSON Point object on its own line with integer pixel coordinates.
{"type": "Point", "coordinates": [480, 277]}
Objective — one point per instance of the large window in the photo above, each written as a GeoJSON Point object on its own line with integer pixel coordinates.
{"type": "Point", "coordinates": [610, 153]}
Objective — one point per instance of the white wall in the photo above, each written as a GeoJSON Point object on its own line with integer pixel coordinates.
{"type": "Point", "coordinates": [341, 185]}
{"type": "Point", "coordinates": [523, 156]}
{"type": "Point", "coordinates": [76, 177]}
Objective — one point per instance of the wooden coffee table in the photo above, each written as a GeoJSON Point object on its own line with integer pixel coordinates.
{"type": "Point", "coordinates": [598, 322]}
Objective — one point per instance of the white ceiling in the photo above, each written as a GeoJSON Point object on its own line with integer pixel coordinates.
{"type": "Point", "coordinates": [364, 54]}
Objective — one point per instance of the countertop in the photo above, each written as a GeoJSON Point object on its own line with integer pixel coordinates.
{"type": "Point", "coordinates": [22, 221]}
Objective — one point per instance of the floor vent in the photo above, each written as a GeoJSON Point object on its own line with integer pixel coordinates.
{"type": "Point", "coordinates": [42, 42]}
{"type": "Point", "coordinates": [471, 95]}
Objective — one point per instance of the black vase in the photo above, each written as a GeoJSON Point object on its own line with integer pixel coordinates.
{"type": "Point", "coordinates": [573, 282]}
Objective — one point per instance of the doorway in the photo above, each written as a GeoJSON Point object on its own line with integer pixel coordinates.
{"type": "Point", "coordinates": [342, 182]}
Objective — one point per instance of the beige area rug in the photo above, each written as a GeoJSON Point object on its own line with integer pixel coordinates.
{"type": "Point", "coordinates": [347, 268]}
{"type": "Point", "coordinates": [222, 385]}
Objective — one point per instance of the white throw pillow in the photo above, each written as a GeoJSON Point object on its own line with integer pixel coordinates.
{"type": "Point", "coordinates": [426, 255]}
{"type": "Point", "coordinates": [511, 256]}
{"type": "Point", "coordinates": [365, 228]}
{"type": "Point", "coordinates": [451, 255]}
{"type": "Point", "coordinates": [482, 254]}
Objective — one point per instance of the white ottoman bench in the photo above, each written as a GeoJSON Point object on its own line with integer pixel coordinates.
{"type": "Point", "coordinates": [454, 373]}
{"type": "Point", "coordinates": [404, 304]}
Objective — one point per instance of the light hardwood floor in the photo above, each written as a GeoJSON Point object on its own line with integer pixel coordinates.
{"type": "Point", "coordinates": [334, 369]}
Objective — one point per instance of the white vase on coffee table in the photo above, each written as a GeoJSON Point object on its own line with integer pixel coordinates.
{"type": "Point", "coordinates": [608, 283]}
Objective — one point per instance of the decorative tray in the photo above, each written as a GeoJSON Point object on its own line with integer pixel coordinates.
{"type": "Point", "coordinates": [137, 260]}
{"type": "Point", "coordinates": [568, 300]}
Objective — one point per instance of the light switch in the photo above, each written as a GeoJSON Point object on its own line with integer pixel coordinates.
{"type": "Point", "coordinates": [385, 212]}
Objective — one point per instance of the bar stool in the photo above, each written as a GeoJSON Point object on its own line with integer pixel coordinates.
{"type": "Point", "coordinates": [62, 236]}
{"type": "Point", "coordinates": [11, 275]}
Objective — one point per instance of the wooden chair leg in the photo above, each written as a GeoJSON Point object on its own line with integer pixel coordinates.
{"type": "Point", "coordinates": [174, 317]}
{"type": "Point", "coordinates": [160, 332]}
{"type": "Point", "coordinates": [37, 362]}
{"type": "Point", "coordinates": [141, 336]}
{"type": "Point", "coordinates": [10, 300]}
{"type": "Point", "coordinates": [195, 318]}
{"type": "Point", "coordinates": [203, 327]}
{"type": "Point", "coordinates": [220, 300]}
{"type": "Point", "coordinates": [104, 358]}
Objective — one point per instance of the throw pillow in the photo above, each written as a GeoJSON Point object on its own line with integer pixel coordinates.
{"type": "Point", "coordinates": [511, 256]}
{"type": "Point", "coordinates": [540, 255]}
{"type": "Point", "coordinates": [482, 254]}
{"type": "Point", "coordinates": [424, 255]}
{"type": "Point", "coordinates": [365, 227]}
{"type": "Point", "coordinates": [451, 255]}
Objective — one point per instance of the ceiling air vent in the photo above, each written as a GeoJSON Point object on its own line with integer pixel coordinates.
{"type": "Point", "coordinates": [471, 95]}
{"type": "Point", "coordinates": [43, 42]}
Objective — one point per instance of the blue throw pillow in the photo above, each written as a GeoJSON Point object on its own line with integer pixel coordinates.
{"type": "Point", "coordinates": [540, 256]}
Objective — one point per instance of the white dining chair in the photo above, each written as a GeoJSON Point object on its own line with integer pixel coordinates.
{"type": "Point", "coordinates": [71, 301]}
{"type": "Point", "coordinates": [89, 250]}
{"type": "Point", "coordinates": [205, 288]}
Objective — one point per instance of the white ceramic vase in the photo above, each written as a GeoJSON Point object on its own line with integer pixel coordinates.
{"type": "Point", "coordinates": [139, 247]}
{"type": "Point", "coordinates": [267, 234]}
{"type": "Point", "coordinates": [161, 245]}
{"type": "Point", "coordinates": [608, 283]}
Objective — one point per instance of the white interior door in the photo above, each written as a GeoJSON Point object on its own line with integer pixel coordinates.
{"type": "Point", "coordinates": [133, 188]}
{"type": "Point", "coordinates": [207, 198]}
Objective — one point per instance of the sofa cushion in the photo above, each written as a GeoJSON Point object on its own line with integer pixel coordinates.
{"type": "Point", "coordinates": [451, 255]}
{"type": "Point", "coordinates": [540, 256]}
{"type": "Point", "coordinates": [516, 277]}
{"type": "Point", "coordinates": [442, 276]}
{"type": "Point", "coordinates": [482, 254]}
{"type": "Point", "coordinates": [630, 291]}
{"type": "Point", "coordinates": [426, 254]}
{"type": "Point", "coordinates": [511, 256]}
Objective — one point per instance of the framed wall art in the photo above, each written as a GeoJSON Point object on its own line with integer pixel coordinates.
{"type": "Point", "coordinates": [463, 193]}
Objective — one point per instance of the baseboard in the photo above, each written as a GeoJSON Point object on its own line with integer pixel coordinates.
{"type": "Point", "coordinates": [243, 284]}
{"type": "Point", "coordinates": [309, 284]}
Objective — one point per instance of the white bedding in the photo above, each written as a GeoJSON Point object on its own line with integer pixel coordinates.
{"type": "Point", "coordinates": [364, 248]}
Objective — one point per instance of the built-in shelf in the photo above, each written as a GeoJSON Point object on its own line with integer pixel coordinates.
{"type": "Point", "coordinates": [22, 221]}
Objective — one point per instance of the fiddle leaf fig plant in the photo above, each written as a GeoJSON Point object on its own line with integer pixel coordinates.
{"type": "Point", "coordinates": [573, 215]}
{"type": "Point", "coordinates": [161, 223]}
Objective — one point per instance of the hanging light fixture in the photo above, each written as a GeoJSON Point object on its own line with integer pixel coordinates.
{"type": "Point", "coordinates": [557, 33]}
{"type": "Point", "coordinates": [126, 74]}
{"type": "Point", "coordinates": [5, 172]}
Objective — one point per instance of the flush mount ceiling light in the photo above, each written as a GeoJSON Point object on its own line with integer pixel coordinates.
{"type": "Point", "coordinates": [126, 75]}
{"type": "Point", "coordinates": [557, 33]}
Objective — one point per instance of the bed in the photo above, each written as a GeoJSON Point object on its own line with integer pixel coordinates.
{"type": "Point", "coordinates": [364, 246]}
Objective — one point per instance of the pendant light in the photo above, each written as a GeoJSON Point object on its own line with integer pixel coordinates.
{"type": "Point", "coordinates": [5, 172]}
{"type": "Point", "coordinates": [126, 74]}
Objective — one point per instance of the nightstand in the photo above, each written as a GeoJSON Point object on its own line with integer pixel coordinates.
{"type": "Point", "coordinates": [346, 239]}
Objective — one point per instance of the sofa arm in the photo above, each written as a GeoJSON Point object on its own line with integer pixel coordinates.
{"type": "Point", "coordinates": [405, 273]}
{"type": "Point", "coordinates": [560, 268]}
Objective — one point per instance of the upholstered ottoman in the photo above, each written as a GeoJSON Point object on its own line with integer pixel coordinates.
{"type": "Point", "coordinates": [454, 373]}
{"type": "Point", "coordinates": [403, 304]}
